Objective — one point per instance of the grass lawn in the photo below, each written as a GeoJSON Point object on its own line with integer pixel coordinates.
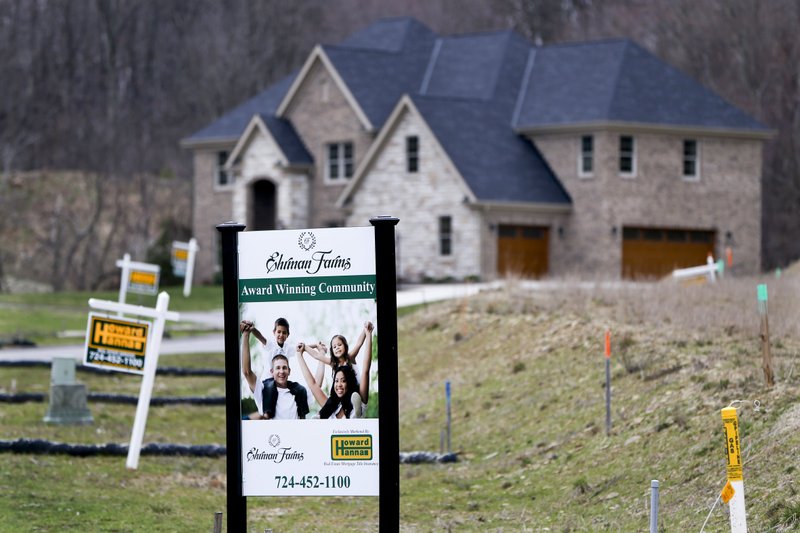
{"type": "Point", "coordinates": [528, 422]}
{"type": "Point", "coordinates": [44, 318]}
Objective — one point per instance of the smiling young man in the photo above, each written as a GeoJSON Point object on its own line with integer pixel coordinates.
{"type": "Point", "coordinates": [276, 397]}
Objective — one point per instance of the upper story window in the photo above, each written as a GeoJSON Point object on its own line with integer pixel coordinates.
{"type": "Point", "coordinates": [222, 177]}
{"type": "Point", "coordinates": [627, 155]}
{"type": "Point", "coordinates": [412, 153]}
{"type": "Point", "coordinates": [445, 235]}
{"type": "Point", "coordinates": [586, 161]}
{"type": "Point", "coordinates": [691, 168]}
{"type": "Point", "coordinates": [340, 161]}
{"type": "Point", "coordinates": [324, 91]}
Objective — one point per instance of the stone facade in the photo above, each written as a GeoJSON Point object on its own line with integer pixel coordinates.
{"type": "Point", "coordinates": [418, 199]}
{"type": "Point", "coordinates": [262, 160]}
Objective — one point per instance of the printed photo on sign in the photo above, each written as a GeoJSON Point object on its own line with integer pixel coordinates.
{"type": "Point", "coordinates": [309, 359]}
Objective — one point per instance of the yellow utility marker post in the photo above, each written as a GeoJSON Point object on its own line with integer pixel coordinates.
{"type": "Point", "coordinates": [733, 493]}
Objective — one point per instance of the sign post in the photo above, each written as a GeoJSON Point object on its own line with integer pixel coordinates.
{"type": "Point", "coordinates": [110, 334]}
{"type": "Point", "coordinates": [237, 503]}
{"type": "Point", "coordinates": [733, 493]}
{"type": "Point", "coordinates": [386, 280]}
{"type": "Point", "coordinates": [608, 382]}
{"type": "Point", "coordinates": [182, 258]}
{"type": "Point", "coordinates": [333, 432]}
{"type": "Point", "coordinates": [137, 277]}
{"type": "Point", "coordinates": [766, 355]}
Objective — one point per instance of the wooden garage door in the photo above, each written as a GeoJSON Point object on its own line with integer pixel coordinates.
{"type": "Point", "coordinates": [656, 252]}
{"type": "Point", "coordinates": [522, 251]}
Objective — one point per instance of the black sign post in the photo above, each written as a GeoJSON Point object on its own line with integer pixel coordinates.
{"type": "Point", "coordinates": [388, 424]}
{"type": "Point", "coordinates": [237, 503]}
{"type": "Point", "coordinates": [389, 409]}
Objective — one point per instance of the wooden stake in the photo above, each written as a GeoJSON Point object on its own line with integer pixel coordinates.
{"type": "Point", "coordinates": [766, 355]}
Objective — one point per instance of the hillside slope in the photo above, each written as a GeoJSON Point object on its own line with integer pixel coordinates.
{"type": "Point", "coordinates": [528, 408]}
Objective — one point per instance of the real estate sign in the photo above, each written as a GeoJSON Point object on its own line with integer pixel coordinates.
{"type": "Point", "coordinates": [179, 257]}
{"type": "Point", "coordinates": [321, 282]}
{"type": "Point", "coordinates": [116, 344]}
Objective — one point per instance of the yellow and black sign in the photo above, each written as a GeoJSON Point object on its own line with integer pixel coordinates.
{"type": "Point", "coordinates": [732, 450]}
{"type": "Point", "coordinates": [351, 447]}
{"type": "Point", "coordinates": [179, 259]}
{"type": "Point", "coordinates": [116, 343]}
{"type": "Point", "coordinates": [143, 281]}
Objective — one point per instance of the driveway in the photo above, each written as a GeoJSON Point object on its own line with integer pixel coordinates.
{"type": "Point", "coordinates": [214, 343]}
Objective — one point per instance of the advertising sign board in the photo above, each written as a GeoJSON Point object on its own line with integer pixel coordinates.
{"type": "Point", "coordinates": [115, 343]}
{"type": "Point", "coordinates": [307, 306]}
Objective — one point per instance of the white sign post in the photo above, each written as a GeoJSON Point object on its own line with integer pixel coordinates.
{"type": "Point", "coordinates": [160, 315]}
{"type": "Point", "coordinates": [709, 270]}
{"type": "Point", "coordinates": [733, 493]}
{"type": "Point", "coordinates": [182, 260]}
{"type": "Point", "coordinates": [137, 277]}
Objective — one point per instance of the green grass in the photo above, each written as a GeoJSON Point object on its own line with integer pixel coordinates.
{"type": "Point", "coordinates": [528, 422]}
{"type": "Point", "coordinates": [43, 318]}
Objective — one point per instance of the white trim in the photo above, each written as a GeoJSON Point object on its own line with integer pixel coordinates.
{"type": "Point", "coordinates": [632, 173]}
{"type": "Point", "coordinates": [318, 54]}
{"type": "Point", "coordinates": [582, 173]}
{"type": "Point", "coordinates": [256, 123]}
{"type": "Point", "coordinates": [530, 207]}
{"type": "Point", "coordinates": [342, 179]}
{"type": "Point", "coordinates": [223, 187]}
{"type": "Point", "coordinates": [696, 176]}
{"type": "Point", "coordinates": [211, 143]}
{"type": "Point", "coordinates": [640, 127]}
{"type": "Point", "coordinates": [404, 104]}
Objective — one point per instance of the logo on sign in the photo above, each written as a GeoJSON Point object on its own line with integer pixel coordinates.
{"type": "Point", "coordinates": [115, 334]}
{"type": "Point", "coordinates": [351, 447]}
{"type": "Point", "coordinates": [307, 241]}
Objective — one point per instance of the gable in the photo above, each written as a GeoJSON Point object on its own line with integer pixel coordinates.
{"type": "Point", "coordinates": [278, 133]}
{"type": "Point", "coordinates": [403, 114]}
{"type": "Point", "coordinates": [318, 59]}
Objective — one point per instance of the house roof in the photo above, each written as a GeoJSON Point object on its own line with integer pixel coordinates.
{"type": "Point", "coordinates": [618, 81]}
{"type": "Point", "coordinates": [497, 164]}
{"type": "Point", "coordinates": [231, 124]}
{"type": "Point", "coordinates": [478, 91]}
{"type": "Point", "coordinates": [289, 142]}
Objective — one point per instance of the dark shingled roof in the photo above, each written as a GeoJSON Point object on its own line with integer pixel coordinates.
{"type": "Point", "coordinates": [618, 81]}
{"type": "Point", "coordinates": [289, 142]}
{"type": "Point", "coordinates": [475, 90]}
{"type": "Point", "coordinates": [497, 164]}
{"type": "Point", "coordinates": [232, 124]}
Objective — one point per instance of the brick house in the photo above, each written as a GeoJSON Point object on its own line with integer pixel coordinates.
{"type": "Point", "coordinates": [595, 159]}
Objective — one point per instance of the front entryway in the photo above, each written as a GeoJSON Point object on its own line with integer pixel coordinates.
{"type": "Point", "coordinates": [262, 212]}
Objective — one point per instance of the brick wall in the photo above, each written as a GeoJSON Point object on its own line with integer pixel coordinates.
{"type": "Point", "coordinates": [726, 197]}
{"type": "Point", "coordinates": [211, 206]}
{"type": "Point", "coordinates": [318, 121]}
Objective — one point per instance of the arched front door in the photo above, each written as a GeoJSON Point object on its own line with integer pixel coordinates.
{"type": "Point", "coordinates": [262, 206]}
